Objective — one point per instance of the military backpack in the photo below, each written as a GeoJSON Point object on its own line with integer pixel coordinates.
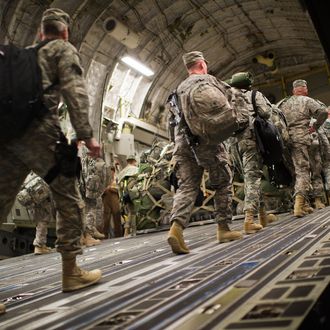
{"type": "Point", "coordinates": [206, 109]}
{"type": "Point", "coordinates": [21, 90]}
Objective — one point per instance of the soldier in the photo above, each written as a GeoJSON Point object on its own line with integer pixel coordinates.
{"type": "Point", "coordinates": [35, 195]}
{"type": "Point", "coordinates": [190, 165]}
{"type": "Point", "coordinates": [112, 207]}
{"type": "Point", "coordinates": [251, 161]}
{"type": "Point", "coordinates": [126, 181]}
{"type": "Point", "coordinates": [94, 177]}
{"type": "Point", "coordinates": [319, 154]}
{"type": "Point", "coordinates": [41, 148]}
{"type": "Point", "coordinates": [298, 110]}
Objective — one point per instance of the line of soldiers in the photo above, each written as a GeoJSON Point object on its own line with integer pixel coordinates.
{"type": "Point", "coordinates": [199, 88]}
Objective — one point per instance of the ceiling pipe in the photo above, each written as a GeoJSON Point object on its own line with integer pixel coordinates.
{"type": "Point", "coordinates": [121, 32]}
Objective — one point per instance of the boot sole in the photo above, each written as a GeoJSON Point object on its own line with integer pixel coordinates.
{"type": "Point", "coordinates": [226, 240]}
{"type": "Point", "coordinates": [81, 286]}
{"type": "Point", "coordinates": [175, 245]}
{"type": "Point", "coordinates": [252, 231]}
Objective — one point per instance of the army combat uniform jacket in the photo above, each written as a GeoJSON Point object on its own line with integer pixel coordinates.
{"type": "Point", "coordinates": [189, 170]}
{"type": "Point", "coordinates": [298, 111]}
{"type": "Point", "coordinates": [60, 65]}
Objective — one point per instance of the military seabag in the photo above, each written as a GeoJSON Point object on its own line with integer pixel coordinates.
{"type": "Point", "coordinates": [20, 90]}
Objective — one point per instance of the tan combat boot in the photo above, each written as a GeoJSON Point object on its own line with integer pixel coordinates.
{"type": "Point", "coordinates": [90, 241]}
{"type": "Point", "coordinates": [97, 235]}
{"type": "Point", "coordinates": [75, 278]}
{"type": "Point", "coordinates": [127, 232]}
{"type": "Point", "coordinates": [249, 226]}
{"type": "Point", "coordinates": [42, 250]}
{"type": "Point", "coordinates": [175, 239]}
{"type": "Point", "coordinates": [298, 210]}
{"type": "Point", "coordinates": [264, 218]}
{"type": "Point", "coordinates": [2, 309]}
{"type": "Point", "coordinates": [224, 234]}
{"type": "Point", "coordinates": [318, 203]}
{"type": "Point", "coordinates": [307, 208]}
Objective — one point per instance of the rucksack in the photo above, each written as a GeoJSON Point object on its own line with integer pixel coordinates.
{"type": "Point", "coordinates": [20, 90]}
{"type": "Point", "coordinates": [35, 191]}
{"type": "Point", "coordinates": [268, 138]}
{"type": "Point", "coordinates": [206, 109]}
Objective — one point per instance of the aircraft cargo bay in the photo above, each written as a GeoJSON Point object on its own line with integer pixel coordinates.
{"type": "Point", "coordinates": [276, 279]}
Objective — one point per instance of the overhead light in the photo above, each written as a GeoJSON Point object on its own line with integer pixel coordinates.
{"type": "Point", "coordinates": [136, 65]}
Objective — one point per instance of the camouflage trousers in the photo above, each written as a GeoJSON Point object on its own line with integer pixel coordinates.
{"type": "Point", "coordinates": [94, 214]}
{"type": "Point", "coordinates": [316, 170]}
{"type": "Point", "coordinates": [252, 171]}
{"type": "Point", "coordinates": [36, 151]}
{"type": "Point", "coordinates": [42, 216]}
{"type": "Point", "coordinates": [214, 159]}
{"type": "Point", "coordinates": [300, 159]}
{"type": "Point", "coordinates": [326, 172]}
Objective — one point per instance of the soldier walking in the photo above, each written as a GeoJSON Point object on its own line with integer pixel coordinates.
{"type": "Point", "coordinates": [39, 147]}
{"type": "Point", "coordinates": [190, 164]}
{"type": "Point", "coordinates": [298, 110]}
{"type": "Point", "coordinates": [250, 158]}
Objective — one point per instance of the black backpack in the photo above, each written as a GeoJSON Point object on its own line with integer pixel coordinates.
{"type": "Point", "coordinates": [268, 138]}
{"type": "Point", "coordinates": [20, 90]}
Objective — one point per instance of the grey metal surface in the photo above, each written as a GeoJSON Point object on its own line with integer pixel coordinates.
{"type": "Point", "coordinates": [270, 279]}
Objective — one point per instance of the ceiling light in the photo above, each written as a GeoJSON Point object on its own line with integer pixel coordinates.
{"type": "Point", "coordinates": [136, 65]}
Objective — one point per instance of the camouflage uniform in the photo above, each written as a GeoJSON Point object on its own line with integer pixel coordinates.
{"type": "Point", "coordinates": [316, 165]}
{"type": "Point", "coordinates": [211, 157]}
{"type": "Point", "coordinates": [95, 180]}
{"type": "Point", "coordinates": [250, 158]}
{"type": "Point", "coordinates": [59, 62]}
{"type": "Point", "coordinates": [42, 214]}
{"type": "Point", "coordinates": [324, 147]}
{"type": "Point", "coordinates": [298, 111]}
{"type": "Point", "coordinates": [36, 197]}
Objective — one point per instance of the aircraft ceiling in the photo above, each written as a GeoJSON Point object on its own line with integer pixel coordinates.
{"type": "Point", "coordinates": [271, 38]}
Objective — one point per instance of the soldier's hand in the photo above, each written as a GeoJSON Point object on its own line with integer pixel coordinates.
{"type": "Point", "coordinates": [93, 147]}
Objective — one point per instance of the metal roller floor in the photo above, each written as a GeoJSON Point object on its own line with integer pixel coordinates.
{"type": "Point", "coordinates": [274, 279]}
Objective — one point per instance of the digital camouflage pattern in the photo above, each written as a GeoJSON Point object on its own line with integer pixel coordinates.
{"type": "Point", "coordinates": [59, 60]}
{"type": "Point", "coordinates": [244, 144]}
{"type": "Point", "coordinates": [42, 215]}
{"type": "Point", "coordinates": [316, 166]}
{"type": "Point", "coordinates": [214, 159]}
{"type": "Point", "coordinates": [298, 111]}
{"type": "Point", "coordinates": [206, 109]}
{"type": "Point", "coordinates": [95, 176]}
{"type": "Point", "coordinates": [35, 195]}
{"type": "Point", "coordinates": [35, 151]}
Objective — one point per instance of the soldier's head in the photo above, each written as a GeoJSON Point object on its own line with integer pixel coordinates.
{"type": "Point", "coordinates": [55, 24]}
{"type": "Point", "coordinates": [195, 62]}
{"type": "Point", "coordinates": [131, 160]}
{"type": "Point", "coordinates": [243, 80]}
{"type": "Point", "coordinates": [300, 87]}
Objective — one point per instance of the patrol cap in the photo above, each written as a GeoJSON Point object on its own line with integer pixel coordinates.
{"type": "Point", "coordinates": [131, 157]}
{"type": "Point", "coordinates": [299, 83]}
{"type": "Point", "coordinates": [56, 14]}
{"type": "Point", "coordinates": [192, 57]}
